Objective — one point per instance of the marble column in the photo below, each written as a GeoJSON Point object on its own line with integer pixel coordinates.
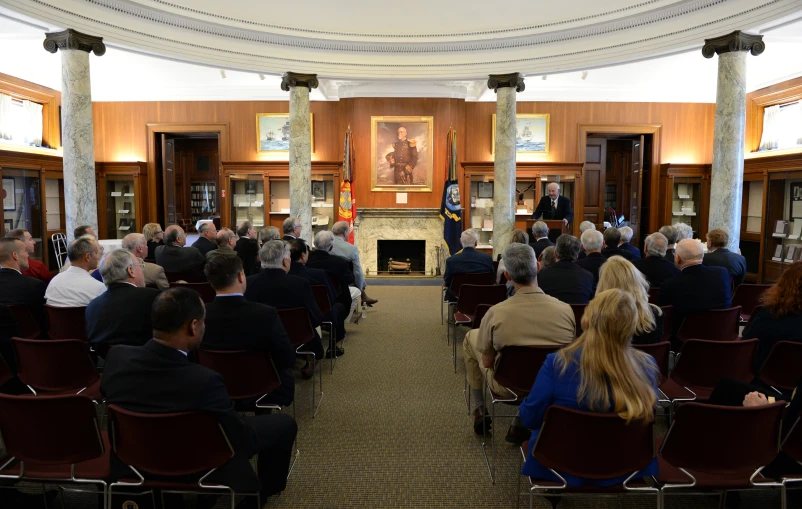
{"type": "Point", "coordinates": [299, 85]}
{"type": "Point", "coordinates": [727, 175]}
{"type": "Point", "coordinates": [77, 136]}
{"type": "Point", "coordinates": [505, 86]}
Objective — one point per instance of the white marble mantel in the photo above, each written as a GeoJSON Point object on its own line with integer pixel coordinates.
{"type": "Point", "coordinates": [374, 224]}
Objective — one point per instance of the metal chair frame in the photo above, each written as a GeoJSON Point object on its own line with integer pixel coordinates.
{"type": "Point", "coordinates": [332, 331]}
{"type": "Point", "coordinates": [457, 322]}
{"type": "Point", "coordinates": [59, 241]}
{"type": "Point", "coordinates": [310, 357]}
{"type": "Point", "coordinates": [785, 480]}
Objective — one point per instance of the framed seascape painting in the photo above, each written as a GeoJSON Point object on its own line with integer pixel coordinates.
{"type": "Point", "coordinates": [273, 132]}
{"type": "Point", "coordinates": [531, 133]}
{"type": "Point", "coordinates": [401, 154]}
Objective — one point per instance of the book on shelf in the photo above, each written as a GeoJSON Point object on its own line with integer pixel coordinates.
{"type": "Point", "coordinates": [487, 225]}
{"type": "Point", "coordinates": [115, 194]}
{"type": "Point", "coordinates": [778, 253]}
{"type": "Point", "coordinates": [796, 233]}
{"type": "Point", "coordinates": [122, 211]}
{"type": "Point", "coordinates": [780, 228]}
{"type": "Point", "coordinates": [791, 254]}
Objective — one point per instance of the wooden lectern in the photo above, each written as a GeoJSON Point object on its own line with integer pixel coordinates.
{"type": "Point", "coordinates": [556, 227]}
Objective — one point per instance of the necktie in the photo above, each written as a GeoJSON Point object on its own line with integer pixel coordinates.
{"type": "Point", "coordinates": [554, 205]}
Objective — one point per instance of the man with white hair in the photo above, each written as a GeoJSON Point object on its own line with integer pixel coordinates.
{"type": "Point", "coordinates": [684, 231]}
{"type": "Point", "coordinates": [173, 256]}
{"type": "Point", "coordinates": [121, 315]}
{"type": "Point", "coordinates": [586, 225]}
{"type": "Point", "coordinates": [626, 236]}
{"type": "Point", "coordinates": [671, 234]}
{"type": "Point", "coordinates": [207, 241]}
{"type": "Point", "coordinates": [654, 265]}
{"type": "Point", "coordinates": [467, 261]}
{"type": "Point", "coordinates": [336, 267]}
{"type": "Point", "coordinates": [553, 206]}
{"type": "Point", "coordinates": [344, 249]}
{"type": "Point", "coordinates": [540, 232]}
{"type": "Point", "coordinates": [137, 245]}
{"type": "Point", "coordinates": [591, 242]}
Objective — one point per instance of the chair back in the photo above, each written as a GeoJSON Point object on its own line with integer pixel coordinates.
{"type": "Point", "coordinates": [668, 322]}
{"type": "Point", "coordinates": [593, 445]}
{"type": "Point", "coordinates": [192, 276]}
{"type": "Point", "coordinates": [50, 430]}
{"type": "Point", "coordinates": [66, 323]}
{"type": "Point", "coordinates": [660, 352]}
{"type": "Point", "coordinates": [495, 266]}
{"type": "Point", "coordinates": [5, 372]}
{"type": "Point", "coordinates": [703, 363]}
{"type": "Point", "coordinates": [470, 278]}
{"type": "Point", "coordinates": [723, 440]}
{"type": "Point", "coordinates": [783, 366]}
{"type": "Point", "coordinates": [713, 325]}
{"type": "Point", "coordinates": [748, 297]}
{"type": "Point", "coordinates": [579, 311]}
{"type": "Point", "coordinates": [470, 296]}
{"type": "Point", "coordinates": [296, 323]}
{"type": "Point", "coordinates": [481, 311]}
{"type": "Point", "coordinates": [26, 325]}
{"type": "Point", "coordinates": [335, 284]}
{"type": "Point", "coordinates": [205, 290]}
{"type": "Point", "coordinates": [245, 374]}
{"type": "Point", "coordinates": [54, 365]}
{"type": "Point", "coordinates": [60, 249]}
{"type": "Point", "coordinates": [654, 295]}
{"type": "Point", "coordinates": [519, 365]}
{"type": "Point", "coordinates": [752, 316]}
{"type": "Point", "coordinates": [321, 294]}
{"type": "Point", "coordinates": [168, 444]}
{"type": "Point", "coordinates": [792, 445]}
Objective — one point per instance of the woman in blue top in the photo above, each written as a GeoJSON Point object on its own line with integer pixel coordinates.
{"type": "Point", "coordinates": [599, 372]}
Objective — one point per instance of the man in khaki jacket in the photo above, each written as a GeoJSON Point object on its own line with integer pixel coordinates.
{"type": "Point", "coordinates": [528, 318]}
{"type": "Point", "coordinates": [136, 244]}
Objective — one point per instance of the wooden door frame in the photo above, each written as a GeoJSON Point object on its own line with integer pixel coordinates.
{"type": "Point", "coordinates": [153, 130]}
{"type": "Point", "coordinates": [626, 129]}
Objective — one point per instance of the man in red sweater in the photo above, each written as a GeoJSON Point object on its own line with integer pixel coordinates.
{"type": "Point", "coordinates": [36, 269]}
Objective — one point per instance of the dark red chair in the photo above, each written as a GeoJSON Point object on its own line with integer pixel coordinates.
{"type": "Point", "coordinates": [755, 312]}
{"type": "Point", "coordinates": [592, 446]}
{"type": "Point", "coordinates": [712, 325]}
{"type": "Point", "coordinates": [194, 276]}
{"type": "Point", "coordinates": [470, 296]}
{"type": "Point", "coordinates": [321, 294]}
{"type": "Point", "coordinates": [167, 445]}
{"type": "Point", "coordinates": [783, 366]}
{"type": "Point", "coordinates": [299, 329]}
{"type": "Point", "coordinates": [654, 296]}
{"type": "Point", "coordinates": [668, 321]}
{"type": "Point", "coordinates": [661, 353]}
{"type": "Point", "coordinates": [495, 266]}
{"type": "Point", "coordinates": [54, 439]}
{"type": "Point", "coordinates": [66, 323]}
{"type": "Point", "coordinates": [719, 447]}
{"type": "Point", "coordinates": [205, 290]}
{"type": "Point", "coordinates": [26, 324]}
{"type": "Point", "coordinates": [5, 373]}
{"type": "Point", "coordinates": [579, 311]}
{"type": "Point", "coordinates": [748, 297]}
{"type": "Point", "coordinates": [57, 366]}
{"type": "Point", "coordinates": [335, 283]}
{"type": "Point", "coordinates": [463, 278]}
{"type": "Point", "coordinates": [481, 311]}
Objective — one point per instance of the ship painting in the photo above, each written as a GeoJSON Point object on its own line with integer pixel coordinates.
{"type": "Point", "coordinates": [273, 132]}
{"type": "Point", "coordinates": [531, 133]}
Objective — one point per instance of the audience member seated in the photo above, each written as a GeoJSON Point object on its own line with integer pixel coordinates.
{"type": "Point", "coordinates": [292, 229]}
{"type": "Point", "coordinates": [299, 256]}
{"type": "Point", "coordinates": [622, 274]}
{"type": "Point", "coordinates": [684, 231]}
{"type": "Point", "coordinates": [697, 287]}
{"type": "Point", "coordinates": [274, 287]}
{"type": "Point", "coordinates": [36, 269]}
{"type": "Point", "coordinates": [226, 242]}
{"type": "Point", "coordinates": [75, 287]}
{"type": "Point", "coordinates": [626, 236]}
{"type": "Point", "coordinates": [547, 257]}
{"type": "Point", "coordinates": [158, 378]}
{"type": "Point", "coordinates": [155, 237]}
{"type": "Point", "coordinates": [136, 244]}
{"type": "Point", "coordinates": [467, 261]}
{"type": "Point", "coordinates": [336, 267]}
{"type": "Point", "coordinates": [781, 317]}
{"type": "Point", "coordinates": [599, 372]}
{"type": "Point", "coordinates": [671, 234]}
{"type": "Point", "coordinates": [19, 289]}
{"type": "Point", "coordinates": [540, 234]}
{"type": "Point", "coordinates": [513, 322]}
{"type": "Point", "coordinates": [269, 233]}
{"type": "Point", "coordinates": [233, 323]}
{"type": "Point", "coordinates": [518, 237]}
{"type": "Point", "coordinates": [591, 243]}
{"type": "Point", "coordinates": [207, 240]}
{"type": "Point", "coordinates": [247, 248]}
{"type": "Point", "coordinates": [655, 266]}
{"type": "Point", "coordinates": [719, 256]}
{"type": "Point", "coordinates": [583, 227]}
{"type": "Point", "coordinates": [343, 248]}
{"type": "Point", "coordinates": [564, 279]}
{"type": "Point", "coordinates": [78, 232]}
{"type": "Point", "coordinates": [174, 256]}
{"type": "Point", "coordinates": [121, 315]}
{"type": "Point", "coordinates": [612, 238]}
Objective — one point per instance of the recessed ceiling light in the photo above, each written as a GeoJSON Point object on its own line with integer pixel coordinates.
{"type": "Point", "coordinates": [584, 75]}
{"type": "Point", "coordinates": [222, 74]}
{"type": "Point", "coordinates": [544, 77]}
{"type": "Point", "coordinates": [262, 77]}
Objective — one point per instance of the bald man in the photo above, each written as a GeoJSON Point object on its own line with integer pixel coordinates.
{"type": "Point", "coordinates": [697, 287]}
{"type": "Point", "coordinates": [174, 257]}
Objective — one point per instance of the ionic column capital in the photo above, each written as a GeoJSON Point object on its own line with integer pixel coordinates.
{"type": "Point", "coordinates": [294, 79]}
{"type": "Point", "coordinates": [730, 43]}
{"type": "Point", "coordinates": [72, 39]}
{"type": "Point", "coordinates": [513, 80]}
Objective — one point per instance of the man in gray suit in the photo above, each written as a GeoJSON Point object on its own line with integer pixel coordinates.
{"type": "Point", "coordinates": [136, 244]}
{"type": "Point", "coordinates": [343, 248]}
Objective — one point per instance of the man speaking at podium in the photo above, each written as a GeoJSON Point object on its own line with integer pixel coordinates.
{"type": "Point", "coordinates": [554, 207]}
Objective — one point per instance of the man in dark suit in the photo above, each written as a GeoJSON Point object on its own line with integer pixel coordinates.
{"type": "Point", "coordinates": [612, 238]}
{"type": "Point", "coordinates": [565, 280]}
{"type": "Point", "coordinates": [174, 257]}
{"type": "Point", "coordinates": [591, 242]}
{"type": "Point", "coordinates": [233, 323]}
{"type": "Point", "coordinates": [247, 248]}
{"type": "Point", "coordinates": [335, 266]}
{"type": "Point", "coordinates": [697, 287]}
{"type": "Point", "coordinates": [121, 314]}
{"type": "Point", "coordinates": [626, 236]}
{"type": "Point", "coordinates": [554, 206]}
{"type": "Point", "coordinates": [540, 232]}
{"type": "Point", "coordinates": [719, 256]}
{"type": "Point", "coordinates": [274, 287]}
{"type": "Point", "coordinates": [158, 378]}
{"type": "Point", "coordinates": [19, 289]}
{"type": "Point", "coordinates": [654, 266]}
{"type": "Point", "coordinates": [299, 256]}
{"type": "Point", "coordinates": [671, 234]}
{"type": "Point", "coordinates": [208, 238]}
{"type": "Point", "coordinates": [467, 261]}
{"type": "Point", "coordinates": [292, 229]}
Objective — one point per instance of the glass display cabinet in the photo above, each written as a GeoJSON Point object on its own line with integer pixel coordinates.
{"type": "Point", "coordinates": [752, 224]}
{"type": "Point", "coordinates": [783, 235]}
{"type": "Point", "coordinates": [248, 199]}
{"type": "Point", "coordinates": [22, 204]}
{"type": "Point", "coordinates": [279, 201]}
{"type": "Point", "coordinates": [122, 198]}
{"type": "Point", "coordinates": [325, 203]}
{"type": "Point", "coordinates": [685, 196]}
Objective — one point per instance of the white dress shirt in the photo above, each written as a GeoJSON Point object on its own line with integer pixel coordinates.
{"type": "Point", "coordinates": [74, 287]}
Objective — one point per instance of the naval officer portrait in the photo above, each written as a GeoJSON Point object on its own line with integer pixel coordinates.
{"type": "Point", "coordinates": [403, 158]}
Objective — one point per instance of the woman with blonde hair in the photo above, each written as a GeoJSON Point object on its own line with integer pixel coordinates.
{"type": "Point", "coordinates": [599, 372]}
{"type": "Point", "coordinates": [617, 272]}
{"type": "Point", "coordinates": [154, 235]}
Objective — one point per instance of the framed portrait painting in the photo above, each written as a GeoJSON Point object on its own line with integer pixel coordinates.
{"type": "Point", "coordinates": [531, 133]}
{"type": "Point", "coordinates": [273, 132]}
{"type": "Point", "coordinates": [401, 154]}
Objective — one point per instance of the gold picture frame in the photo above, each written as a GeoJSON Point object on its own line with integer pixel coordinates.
{"type": "Point", "coordinates": [271, 126]}
{"type": "Point", "coordinates": [538, 124]}
{"type": "Point", "coordinates": [384, 173]}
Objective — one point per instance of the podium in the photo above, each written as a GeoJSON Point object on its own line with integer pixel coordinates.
{"type": "Point", "coordinates": [556, 227]}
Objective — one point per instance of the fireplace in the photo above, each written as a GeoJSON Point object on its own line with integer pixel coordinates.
{"type": "Point", "coordinates": [412, 251]}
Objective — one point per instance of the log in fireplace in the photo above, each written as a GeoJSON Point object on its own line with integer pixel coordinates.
{"type": "Point", "coordinates": [401, 252]}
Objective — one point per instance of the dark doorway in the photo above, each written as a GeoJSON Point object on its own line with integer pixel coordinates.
{"type": "Point", "coordinates": [412, 251]}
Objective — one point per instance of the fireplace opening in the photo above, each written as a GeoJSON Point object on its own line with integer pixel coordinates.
{"type": "Point", "coordinates": [401, 257]}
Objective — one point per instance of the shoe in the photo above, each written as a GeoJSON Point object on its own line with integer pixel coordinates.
{"type": "Point", "coordinates": [308, 371]}
{"type": "Point", "coordinates": [481, 421]}
{"type": "Point", "coordinates": [368, 301]}
{"type": "Point", "coordinates": [517, 434]}
{"type": "Point", "coordinates": [339, 352]}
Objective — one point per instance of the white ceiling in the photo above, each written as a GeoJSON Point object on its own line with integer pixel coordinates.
{"type": "Point", "coordinates": [137, 74]}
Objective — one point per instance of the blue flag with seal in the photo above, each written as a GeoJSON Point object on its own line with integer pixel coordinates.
{"type": "Point", "coordinates": [450, 208]}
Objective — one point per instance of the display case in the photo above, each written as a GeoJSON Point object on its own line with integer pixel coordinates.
{"type": "Point", "coordinates": [22, 204]}
{"type": "Point", "coordinates": [325, 203]}
{"type": "Point", "coordinates": [248, 199]}
{"type": "Point", "coordinates": [122, 200]}
{"type": "Point", "coordinates": [202, 200]}
{"type": "Point", "coordinates": [752, 206]}
{"type": "Point", "coordinates": [783, 226]}
{"type": "Point", "coordinates": [685, 196]}
{"type": "Point", "coordinates": [279, 201]}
